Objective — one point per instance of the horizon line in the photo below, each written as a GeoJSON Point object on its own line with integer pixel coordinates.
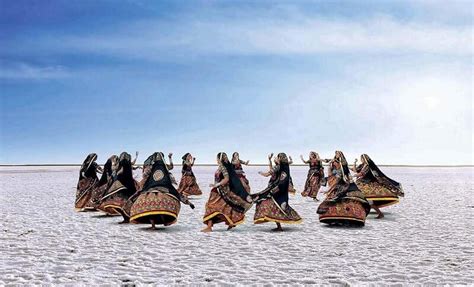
{"type": "Point", "coordinates": [254, 164]}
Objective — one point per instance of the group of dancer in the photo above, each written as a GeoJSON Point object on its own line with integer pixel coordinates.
{"type": "Point", "coordinates": [156, 199]}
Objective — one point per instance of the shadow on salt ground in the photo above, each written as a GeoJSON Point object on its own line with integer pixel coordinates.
{"type": "Point", "coordinates": [368, 227]}
{"type": "Point", "coordinates": [170, 229]}
{"type": "Point", "coordinates": [286, 229]}
{"type": "Point", "coordinates": [103, 216]}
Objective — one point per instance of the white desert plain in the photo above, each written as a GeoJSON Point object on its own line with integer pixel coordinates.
{"type": "Point", "coordinates": [425, 239]}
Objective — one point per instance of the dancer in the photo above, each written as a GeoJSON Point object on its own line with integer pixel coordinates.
{"type": "Point", "coordinates": [158, 203]}
{"type": "Point", "coordinates": [87, 181]}
{"type": "Point", "coordinates": [379, 189]}
{"type": "Point", "coordinates": [345, 204]}
{"type": "Point", "coordinates": [272, 202]}
{"type": "Point", "coordinates": [228, 200]}
{"type": "Point", "coordinates": [122, 187]}
{"type": "Point", "coordinates": [237, 163]}
{"type": "Point", "coordinates": [315, 175]}
{"type": "Point", "coordinates": [291, 187]}
{"type": "Point", "coordinates": [103, 184]}
{"type": "Point", "coordinates": [188, 185]}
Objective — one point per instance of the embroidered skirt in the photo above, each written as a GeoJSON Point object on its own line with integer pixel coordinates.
{"type": "Point", "coordinates": [189, 186]}
{"type": "Point", "coordinates": [84, 192]}
{"type": "Point", "coordinates": [312, 185]}
{"type": "Point", "coordinates": [268, 210]}
{"type": "Point", "coordinates": [218, 210]}
{"type": "Point", "coordinates": [350, 210]}
{"type": "Point", "coordinates": [377, 193]}
{"type": "Point", "coordinates": [160, 207]}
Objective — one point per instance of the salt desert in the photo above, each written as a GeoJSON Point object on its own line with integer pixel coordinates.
{"type": "Point", "coordinates": [426, 239]}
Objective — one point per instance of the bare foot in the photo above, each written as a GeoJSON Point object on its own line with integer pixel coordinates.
{"type": "Point", "coordinates": [124, 221]}
{"type": "Point", "coordinates": [230, 227]}
{"type": "Point", "coordinates": [152, 228]}
{"type": "Point", "coordinates": [207, 229]}
{"type": "Point", "coordinates": [380, 216]}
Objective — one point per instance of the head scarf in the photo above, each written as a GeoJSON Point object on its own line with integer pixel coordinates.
{"type": "Point", "coordinates": [185, 156]}
{"type": "Point", "coordinates": [380, 176]}
{"type": "Point", "coordinates": [160, 176]}
{"type": "Point", "coordinates": [107, 171]}
{"type": "Point", "coordinates": [284, 167]}
{"type": "Point", "coordinates": [126, 176]}
{"type": "Point", "coordinates": [88, 167]}
{"type": "Point", "coordinates": [346, 175]}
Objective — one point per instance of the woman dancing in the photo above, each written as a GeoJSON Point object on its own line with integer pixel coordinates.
{"type": "Point", "coordinates": [87, 181]}
{"type": "Point", "coordinates": [159, 201]}
{"type": "Point", "coordinates": [228, 200]}
{"type": "Point", "coordinates": [315, 175]}
{"type": "Point", "coordinates": [121, 189]}
{"type": "Point", "coordinates": [188, 185]}
{"type": "Point", "coordinates": [345, 203]}
{"type": "Point", "coordinates": [272, 202]}
{"type": "Point", "coordinates": [379, 189]}
{"type": "Point", "coordinates": [103, 184]}
{"type": "Point", "coordinates": [291, 187]}
{"type": "Point", "coordinates": [237, 163]}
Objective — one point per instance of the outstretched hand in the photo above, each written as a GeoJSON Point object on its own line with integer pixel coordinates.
{"type": "Point", "coordinates": [170, 154]}
{"type": "Point", "coordinates": [270, 156]}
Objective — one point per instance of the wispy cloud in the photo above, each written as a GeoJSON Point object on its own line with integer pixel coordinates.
{"type": "Point", "coordinates": [24, 71]}
{"type": "Point", "coordinates": [303, 36]}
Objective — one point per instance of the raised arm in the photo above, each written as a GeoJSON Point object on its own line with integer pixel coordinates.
{"type": "Point", "coordinates": [302, 159]}
{"type": "Point", "coordinates": [135, 160]}
{"type": "Point", "coordinates": [265, 174]}
{"type": "Point", "coordinates": [192, 161]}
{"type": "Point", "coordinates": [290, 161]}
{"type": "Point", "coordinates": [244, 162]}
{"type": "Point", "coordinates": [170, 165]}
{"type": "Point", "coordinates": [270, 156]}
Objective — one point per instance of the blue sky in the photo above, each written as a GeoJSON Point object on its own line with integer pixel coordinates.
{"type": "Point", "coordinates": [389, 78]}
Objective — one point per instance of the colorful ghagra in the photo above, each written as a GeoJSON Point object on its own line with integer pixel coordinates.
{"type": "Point", "coordinates": [345, 203]}
{"type": "Point", "coordinates": [272, 202]}
{"type": "Point", "coordinates": [101, 187]}
{"type": "Point", "coordinates": [314, 179]}
{"type": "Point", "coordinates": [188, 184]}
{"type": "Point", "coordinates": [224, 205]}
{"type": "Point", "coordinates": [377, 187]}
{"type": "Point", "coordinates": [147, 167]}
{"type": "Point", "coordinates": [87, 182]}
{"type": "Point", "coordinates": [158, 201]}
